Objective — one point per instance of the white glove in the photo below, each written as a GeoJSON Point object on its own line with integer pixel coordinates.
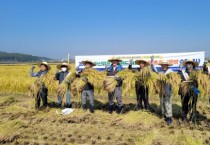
{"type": "Point", "coordinates": [152, 58]}
{"type": "Point", "coordinates": [32, 67]}
{"type": "Point", "coordinates": [131, 61]}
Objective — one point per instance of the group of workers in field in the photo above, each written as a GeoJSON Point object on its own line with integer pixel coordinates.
{"type": "Point", "coordinates": [141, 91]}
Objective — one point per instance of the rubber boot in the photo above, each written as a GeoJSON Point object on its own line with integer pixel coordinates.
{"type": "Point", "coordinates": [84, 107]}
{"type": "Point", "coordinates": [119, 109]}
{"type": "Point", "coordinates": [59, 105]}
{"type": "Point", "coordinates": [92, 109]}
{"type": "Point", "coordinates": [69, 106]}
{"type": "Point", "coordinates": [111, 109]}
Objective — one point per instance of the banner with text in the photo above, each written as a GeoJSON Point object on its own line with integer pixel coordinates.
{"type": "Point", "coordinates": [175, 58]}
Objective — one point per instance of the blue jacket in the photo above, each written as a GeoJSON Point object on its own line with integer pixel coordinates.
{"type": "Point", "coordinates": [112, 72]}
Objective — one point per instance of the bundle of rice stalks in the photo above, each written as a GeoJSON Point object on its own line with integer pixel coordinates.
{"type": "Point", "coordinates": [65, 85]}
{"type": "Point", "coordinates": [36, 87]}
{"type": "Point", "coordinates": [129, 80]}
{"type": "Point", "coordinates": [99, 85]}
{"type": "Point", "coordinates": [161, 82]}
{"type": "Point", "coordinates": [77, 86]}
{"type": "Point", "coordinates": [110, 84]}
{"type": "Point", "coordinates": [173, 79]}
{"type": "Point", "coordinates": [162, 78]}
{"type": "Point", "coordinates": [208, 64]}
{"type": "Point", "coordinates": [202, 82]}
{"type": "Point", "coordinates": [148, 79]}
{"type": "Point", "coordinates": [185, 88]}
{"type": "Point", "coordinates": [45, 81]}
{"type": "Point", "coordinates": [94, 77]}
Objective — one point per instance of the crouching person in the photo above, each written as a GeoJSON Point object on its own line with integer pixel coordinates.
{"type": "Point", "coordinates": [112, 71]}
{"type": "Point", "coordinates": [166, 95]}
{"type": "Point", "coordinates": [88, 90]}
{"type": "Point", "coordinates": [43, 92]}
{"type": "Point", "coordinates": [60, 76]}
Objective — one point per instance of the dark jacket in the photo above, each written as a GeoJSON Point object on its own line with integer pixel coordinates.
{"type": "Point", "coordinates": [133, 69]}
{"type": "Point", "coordinates": [181, 74]}
{"type": "Point", "coordinates": [205, 69]}
{"type": "Point", "coordinates": [112, 72]}
{"type": "Point", "coordinates": [138, 84]}
{"type": "Point", "coordinates": [60, 76]}
{"type": "Point", "coordinates": [88, 86]}
{"type": "Point", "coordinates": [195, 84]}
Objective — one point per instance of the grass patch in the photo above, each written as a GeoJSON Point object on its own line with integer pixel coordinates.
{"type": "Point", "coordinates": [11, 130]}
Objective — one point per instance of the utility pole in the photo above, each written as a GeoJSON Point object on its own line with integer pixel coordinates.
{"type": "Point", "coordinates": [68, 58]}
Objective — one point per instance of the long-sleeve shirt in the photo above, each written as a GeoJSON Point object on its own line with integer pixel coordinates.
{"type": "Point", "coordinates": [38, 74]}
{"type": "Point", "coordinates": [162, 71]}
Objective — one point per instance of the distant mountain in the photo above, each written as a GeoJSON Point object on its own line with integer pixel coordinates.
{"type": "Point", "coordinates": [18, 57]}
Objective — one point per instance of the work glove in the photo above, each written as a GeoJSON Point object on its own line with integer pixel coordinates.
{"type": "Point", "coordinates": [152, 58]}
{"type": "Point", "coordinates": [84, 79]}
{"type": "Point", "coordinates": [67, 81]}
{"type": "Point", "coordinates": [106, 67]}
{"type": "Point", "coordinates": [117, 78]}
{"type": "Point", "coordinates": [32, 67]}
{"type": "Point", "coordinates": [130, 61]}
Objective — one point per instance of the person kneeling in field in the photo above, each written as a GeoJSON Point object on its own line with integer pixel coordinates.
{"type": "Point", "coordinates": [88, 90]}
{"type": "Point", "coordinates": [166, 95]}
{"type": "Point", "coordinates": [111, 72]}
{"type": "Point", "coordinates": [141, 89]}
{"type": "Point", "coordinates": [43, 92]}
{"type": "Point", "coordinates": [60, 76]}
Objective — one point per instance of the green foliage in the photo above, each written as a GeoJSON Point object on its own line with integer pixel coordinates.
{"type": "Point", "coordinates": [17, 57]}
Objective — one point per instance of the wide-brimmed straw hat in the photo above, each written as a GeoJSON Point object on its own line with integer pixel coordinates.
{"type": "Point", "coordinates": [114, 59]}
{"type": "Point", "coordinates": [142, 60]}
{"type": "Point", "coordinates": [44, 63]}
{"type": "Point", "coordinates": [190, 61]}
{"type": "Point", "coordinates": [165, 62]}
{"type": "Point", "coordinates": [88, 61]}
{"type": "Point", "coordinates": [63, 64]}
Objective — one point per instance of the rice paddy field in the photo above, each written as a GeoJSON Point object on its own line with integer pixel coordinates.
{"type": "Point", "coordinates": [22, 124]}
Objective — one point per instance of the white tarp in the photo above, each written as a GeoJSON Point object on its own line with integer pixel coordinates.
{"type": "Point", "coordinates": [174, 58]}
